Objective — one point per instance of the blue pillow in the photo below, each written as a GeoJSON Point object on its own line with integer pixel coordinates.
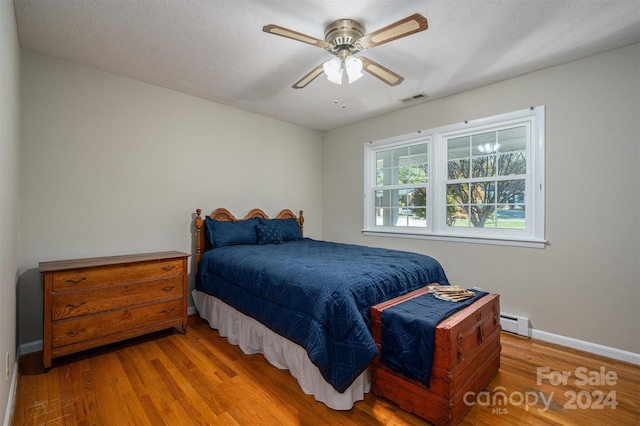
{"type": "Point", "coordinates": [228, 233]}
{"type": "Point", "coordinates": [289, 228]}
{"type": "Point", "coordinates": [268, 234]}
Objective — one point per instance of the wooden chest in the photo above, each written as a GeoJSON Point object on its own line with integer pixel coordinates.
{"type": "Point", "coordinates": [96, 301]}
{"type": "Point", "coordinates": [466, 358]}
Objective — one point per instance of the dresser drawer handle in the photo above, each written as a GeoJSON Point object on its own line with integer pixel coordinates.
{"type": "Point", "coordinates": [75, 333]}
{"type": "Point", "coordinates": [76, 281]}
{"type": "Point", "coordinates": [167, 289]}
{"type": "Point", "coordinates": [167, 311]}
{"type": "Point", "coordinates": [75, 306]}
{"type": "Point", "coordinates": [168, 268]}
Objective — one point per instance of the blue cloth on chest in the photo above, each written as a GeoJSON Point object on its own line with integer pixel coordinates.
{"type": "Point", "coordinates": [408, 333]}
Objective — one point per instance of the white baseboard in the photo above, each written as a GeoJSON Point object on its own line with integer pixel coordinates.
{"type": "Point", "coordinates": [30, 347]}
{"type": "Point", "coordinates": [594, 348]}
{"type": "Point", "coordinates": [521, 326]}
{"type": "Point", "coordinates": [8, 415]}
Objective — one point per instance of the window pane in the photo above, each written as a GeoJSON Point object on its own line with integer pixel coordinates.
{"type": "Point", "coordinates": [419, 160]}
{"type": "Point", "coordinates": [400, 156]}
{"type": "Point", "coordinates": [417, 198]}
{"type": "Point", "coordinates": [513, 139]}
{"type": "Point", "coordinates": [404, 175]}
{"type": "Point", "coordinates": [383, 176]}
{"type": "Point", "coordinates": [401, 207]}
{"type": "Point", "coordinates": [403, 197]}
{"type": "Point", "coordinates": [483, 192]}
{"type": "Point", "coordinates": [419, 213]}
{"type": "Point", "coordinates": [510, 217]}
{"type": "Point", "coordinates": [457, 215]}
{"type": "Point", "coordinates": [482, 215]}
{"type": "Point", "coordinates": [511, 192]}
{"type": "Point", "coordinates": [419, 153]}
{"type": "Point", "coordinates": [484, 143]}
{"type": "Point", "coordinates": [416, 173]}
{"type": "Point", "coordinates": [458, 193]}
{"type": "Point", "coordinates": [458, 153]}
{"type": "Point", "coordinates": [513, 145]}
{"type": "Point", "coordinates": [383, 216]}
{"type": "Point", "coordinates": [402, 166]}
{"type": "Point", "coordinates": [484, 166]}
{"type": "Point", "coordinates": [458, 169]}
{"type": "Point", "coordinates": [458, 147]}
{"type": "Point", "coordinates": [512, 163]}
{"type": "Point", "coordinates": [383, 199]}
{"type": "Point", "coordinates": [383, 158]}
{"type": "Point", "coordinates": [383, 168]}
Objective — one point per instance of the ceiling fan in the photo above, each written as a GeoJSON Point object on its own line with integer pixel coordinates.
{"type": "Point", "coordinates": [344, 38]}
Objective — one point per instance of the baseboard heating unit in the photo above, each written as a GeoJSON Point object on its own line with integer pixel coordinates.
{"type": "Point", "coordinates": [514, 324]}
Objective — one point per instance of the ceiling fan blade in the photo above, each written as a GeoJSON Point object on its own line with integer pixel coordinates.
{"type": "Point", "coordinates": [383, 73]}
{"type": "Point", "coordinates": [404, 27]}
{"type": "Point", "coordinates": [285, 32]}
{"type": "Point", "coordinates": [312, 75]}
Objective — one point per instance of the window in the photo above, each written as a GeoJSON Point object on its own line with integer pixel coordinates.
{"type": "Point", "coordinates": [401, 185]}
{"type": "Point", "coordinates": [477, 181]}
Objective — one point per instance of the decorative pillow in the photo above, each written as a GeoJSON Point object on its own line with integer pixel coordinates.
{"type": "Point", "coordinates": [228, 233]}
{"type": "Point", "coordinates": [289, 228]}
{"type": "Point", "coordinates": [268, 234]}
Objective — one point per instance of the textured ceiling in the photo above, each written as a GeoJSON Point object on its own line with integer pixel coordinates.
{"type": "Point", "coordinates": [216, 49]}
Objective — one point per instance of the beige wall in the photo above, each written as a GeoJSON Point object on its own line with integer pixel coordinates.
{"type": "Point", "coordinates": [586, 283]}
{"type": "Point", "coordinates": [9, 199]}
{"type": "Point", "coordinates": [110, 165]}
{"type": "Point", "coordinates": [114, 166]}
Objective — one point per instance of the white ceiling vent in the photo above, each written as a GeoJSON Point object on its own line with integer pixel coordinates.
{"type": "Point", "coordinates": [414, 98]}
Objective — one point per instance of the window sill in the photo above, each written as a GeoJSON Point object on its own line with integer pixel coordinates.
{"type": "Point", "coordinates": [528, 243]}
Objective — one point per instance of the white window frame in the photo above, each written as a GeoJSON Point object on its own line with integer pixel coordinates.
{"type": "Point", "coordinates": [534, 233]}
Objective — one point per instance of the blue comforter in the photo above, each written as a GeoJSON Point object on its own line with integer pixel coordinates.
{"type": "Point", "coordinates": [316, 294]}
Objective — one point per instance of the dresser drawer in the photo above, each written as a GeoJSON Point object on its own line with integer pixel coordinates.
{"type": "Point", "coordinates": [82, 329]}
{"type": "Point", "coordinates": [75, 279]}
{"type": "Point", "coordinates": [91, 301]}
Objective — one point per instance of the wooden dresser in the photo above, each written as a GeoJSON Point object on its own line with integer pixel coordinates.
{"type": "Point", "coordinates": [95, 301]}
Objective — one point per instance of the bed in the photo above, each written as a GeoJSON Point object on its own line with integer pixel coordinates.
{"type": "Point", "coordinates": [303, 303]}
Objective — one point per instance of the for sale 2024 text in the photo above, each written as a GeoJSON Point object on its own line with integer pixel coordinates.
{"type": "Point", "coordinates": [582, 376]}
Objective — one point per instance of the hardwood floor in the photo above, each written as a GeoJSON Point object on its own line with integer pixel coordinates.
{"type": "Point", "coordinates": [199, 378]}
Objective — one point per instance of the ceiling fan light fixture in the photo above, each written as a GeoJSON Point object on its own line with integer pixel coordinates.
{"type": "Point", "coordinates": [346, 37]}
{"type": "Point", "coordinates": [353, 67]}
{"type": "Point", "coordinates": [334, 70]}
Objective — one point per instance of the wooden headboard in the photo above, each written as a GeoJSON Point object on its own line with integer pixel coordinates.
{"type": "Point", "coordinates": [203, 244]}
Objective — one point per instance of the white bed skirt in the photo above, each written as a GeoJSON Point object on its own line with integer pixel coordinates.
{"type": "Point", "coordinates": [253, 337]}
